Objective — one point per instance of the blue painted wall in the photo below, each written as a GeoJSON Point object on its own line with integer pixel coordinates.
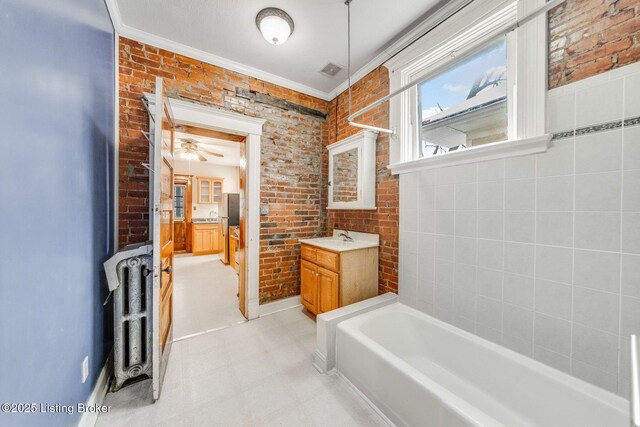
{"type": "Point", "coordinates": [56, 193]}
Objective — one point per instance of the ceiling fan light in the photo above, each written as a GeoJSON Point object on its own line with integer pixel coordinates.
{"type": "Point", "coordinates": [275, 25]}
{"type": "Point", "coordinates": [189, 155]}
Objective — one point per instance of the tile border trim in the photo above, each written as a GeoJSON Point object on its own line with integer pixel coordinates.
{"type": "Point", "coordinates": [602, 127]}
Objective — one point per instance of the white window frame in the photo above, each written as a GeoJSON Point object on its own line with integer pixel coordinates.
{"type": "Point", "coordinates": [461, 35]}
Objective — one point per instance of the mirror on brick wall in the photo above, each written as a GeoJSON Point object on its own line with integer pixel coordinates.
{"type": "Point", "coordinates": [345, 176]}
{"type": "Point", "coordinates": [352, 172]}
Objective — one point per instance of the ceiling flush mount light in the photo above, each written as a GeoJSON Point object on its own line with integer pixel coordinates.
{"type": "Point", "coordinates": [275, 25]}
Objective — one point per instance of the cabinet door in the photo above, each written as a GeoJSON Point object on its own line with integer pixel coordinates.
{"type": "Point", "coordinates": [204, 190]}
{"type": "Point", "coordinates": [309, 285]}
{"type": "Point", "coordinates": [327, 290]}
{"type": "Point", "coordinates": [197, 241]}
{"type": "Point", "coordinates": [215, 239]}
{"type": "Point", "coordinates": [216, 191]}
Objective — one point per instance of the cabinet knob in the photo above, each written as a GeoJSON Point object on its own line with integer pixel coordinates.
{"type": "Point", "coordinates": [167, 270]}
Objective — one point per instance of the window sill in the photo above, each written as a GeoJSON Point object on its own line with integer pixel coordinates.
{"type": "Point", "coordinates": [497, 150]}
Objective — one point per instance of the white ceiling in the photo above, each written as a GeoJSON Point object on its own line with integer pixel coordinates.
{"type": "Point", "coordinates": [230, 150]}
{"type": "Point", "coordinates": [225, 31]}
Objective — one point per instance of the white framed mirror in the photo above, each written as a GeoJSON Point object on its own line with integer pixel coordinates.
{"type": "Point", "coordinates": [352, 172]}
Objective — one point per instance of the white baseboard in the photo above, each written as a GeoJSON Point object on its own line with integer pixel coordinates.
{"type": "Point", "coordinates": [89, 419]}
{"type": "Point", "coordinates": [377, 410]}
{"type": "Point", "coordinates": [279, 305]}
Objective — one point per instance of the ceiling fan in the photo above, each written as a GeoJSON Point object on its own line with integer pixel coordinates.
{"type": "Point", "coordinates": [190, 150]}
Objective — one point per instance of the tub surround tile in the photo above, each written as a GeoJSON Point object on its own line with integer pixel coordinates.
{"type": "Point", "coordinates": [597, 270]}
{"type": "Point", "coordinates": [630, 319]}
{"type": "Point", "coordinates": [550, 240]}
{"type": "Point", "coordinates": [490, 254]}
{"type": "Point", "coordinates": [558, 160]}
{"type": "Point", "coordinates": [631, 232]}
{"type": "Point", "coordinates": [553, 299]}
{"type": "Point", "coordinates": [599, 103]}
{"type": "Point", "coordinates": [518, 290]}
{"type": "Point", "coordinates": [631, 154]}
{"type": "Point", "coordinates": [631, 102]}
{"type": "Point", "coordinates": [599, 152]}
{"type": "Point", "coordinates": [555, 193]}
{"type": "Point", "coordinates": [444, 222]}
{"type": "Point", "coordinates": [550, 358]}
{"type": "Point", "coordinates": [466, 250]}
{"type": "Point", "coordinates": [520, 167]}
{"type": "Point", "coordinates": [492, 170]}
{"type": "Point", "coordinates": [554, 228]}
{"type": "Point", "coordinates": [517, 322]}
{"type": "Point", "coordinates": [594, 375]}
{"type": "Point", "coordinates": [630, 275]}
{"type": "Point", "coordinates": [596, 309]}
{"type": "Point", "coordinates": [519, 258]}
{"type": "Point", "coordinates": [597, 348]}
{"type": "Point", "coordinates": [631, 192]}
{"type": "Point", "coordinates": [489, 313]}
{"type": "Point", "coordinates": [520, 195]}
{"type": "Point", "coordinates": [466, 197]}
{"type": "Point", "coordinates": [491, 195]}
{"type": "Point", "coordinates": [597, 230]}
{"type": "Point", "coordinates": [490, 283]}
{"type": "Point", "coordinates": [520, 227]}
{"type": "Point", "coordinates": [491, 225]}
{"type": "Point", "coordinates": [517, 344]}
{"type": "Point", "coordinates": [554, 264]}
{"type": "Point", "coordinates": [598, 192]}
{"type": "Point", "coordinates": [553, 334]}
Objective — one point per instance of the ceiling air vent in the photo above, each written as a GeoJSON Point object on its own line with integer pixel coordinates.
{"type": "Point", "coordinates": [331, 69]}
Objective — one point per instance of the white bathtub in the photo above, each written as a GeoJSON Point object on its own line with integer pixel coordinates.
{"type": "Point", "coordinates": [419, 371]}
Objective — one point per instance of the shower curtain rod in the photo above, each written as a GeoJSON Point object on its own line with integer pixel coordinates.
{"type": "Point", "coordinates": [542, 9]}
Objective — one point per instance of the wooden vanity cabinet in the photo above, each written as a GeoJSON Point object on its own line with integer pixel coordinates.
{"type": "Point", "coordinates": [329, 280]}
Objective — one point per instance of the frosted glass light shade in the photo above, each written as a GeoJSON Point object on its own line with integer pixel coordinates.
{"type": "Point", "coordinates": [275, 25]}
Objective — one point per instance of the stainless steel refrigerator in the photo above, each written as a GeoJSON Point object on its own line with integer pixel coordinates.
{"type": "Point", "coordinates": [230, 217]}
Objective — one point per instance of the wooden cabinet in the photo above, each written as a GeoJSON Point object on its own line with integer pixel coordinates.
{"type": "Point", "coordinates": [329, 280]}
{"type": "Point", "coordinates": [209, 190]}
{"type": "Point", "coordinates": [207, 239]}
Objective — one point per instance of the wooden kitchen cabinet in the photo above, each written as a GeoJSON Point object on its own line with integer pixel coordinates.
{"type": "Point", "coordinates": [329, 280]}
{"type": "Point", "coordinates": [209, 190]}
{"type": "Point", "coordinates": [206, 238]}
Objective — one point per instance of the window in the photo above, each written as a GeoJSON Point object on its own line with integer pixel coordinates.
{"type": "Point", "coordinates": [178, 202]}
{"type": "Point", "coordinates": [477, 83]}
{"type": "Point", "coordinates": [465, 104]}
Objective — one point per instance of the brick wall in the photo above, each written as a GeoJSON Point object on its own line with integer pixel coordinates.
{"type": "Point", "coordinates": [291, 155]}
{"type": "Point", "coordinates": [588, 37]}
{"type": "Point", "coordinates": [384, 220]}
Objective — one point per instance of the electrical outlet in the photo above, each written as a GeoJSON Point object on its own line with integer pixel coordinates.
{"type": "Point", "coordinates": [85, 369]}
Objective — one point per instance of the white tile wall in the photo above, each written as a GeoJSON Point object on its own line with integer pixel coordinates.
{"type": "Point", "coordinates": [539, 253]}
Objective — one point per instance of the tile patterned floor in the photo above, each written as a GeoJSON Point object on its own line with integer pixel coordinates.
{"type": "Point", "coordinates": [257, 373]}
{"type": "Point", "coordinates": [204, 295]}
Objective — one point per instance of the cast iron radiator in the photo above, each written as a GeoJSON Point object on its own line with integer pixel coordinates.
{"type": "Point", "coordinates": [132, 308]}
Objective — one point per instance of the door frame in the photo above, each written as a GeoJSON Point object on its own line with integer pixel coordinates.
{"type": "Point", "coordinates": [210, 117]}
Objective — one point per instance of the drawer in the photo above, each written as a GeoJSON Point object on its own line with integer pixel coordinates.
{"type": "Point", "coordinates": [308, 252]}
{"type": "Point", "coordinates": [206, 226]}
{"type": "Point", "coordinates": [327, 259]}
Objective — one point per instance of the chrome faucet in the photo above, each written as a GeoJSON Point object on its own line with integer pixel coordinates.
{"type": "Point", "coordinates": [345, 236]}
{"type": "Point", "coordinates": [212, 213]}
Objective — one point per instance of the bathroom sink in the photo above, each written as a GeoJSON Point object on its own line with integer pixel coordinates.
{"type": "Point", "coordinates": [338, 244]}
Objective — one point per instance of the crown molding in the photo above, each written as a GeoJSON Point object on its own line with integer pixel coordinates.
{"type": "Point", "coordinates": [144, 37]}
{"type": "Point", "coordinates": [209, 58]}
{"type": "Point", "coordinates": [114, 13]}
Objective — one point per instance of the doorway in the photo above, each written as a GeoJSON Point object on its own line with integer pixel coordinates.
{"type": "Point", "coordinates": [208, 192]}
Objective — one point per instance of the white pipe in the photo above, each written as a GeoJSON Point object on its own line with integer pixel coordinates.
{"type": "Point", "coordinates": [542, 9]}
{"type": "Point", "coordinates": [363, 126]}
